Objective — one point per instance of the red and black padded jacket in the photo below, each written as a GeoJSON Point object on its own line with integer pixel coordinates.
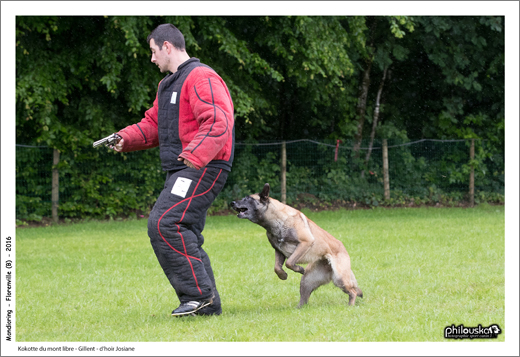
{"type": "Point", "coordinates": [191, 118]}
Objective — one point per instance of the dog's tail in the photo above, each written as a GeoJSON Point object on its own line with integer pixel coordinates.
{"type": "Point", "coordinates": [359, 292]}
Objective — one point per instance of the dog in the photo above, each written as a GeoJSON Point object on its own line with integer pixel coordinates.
{"type": "Point", "coordinates": [299, 240]}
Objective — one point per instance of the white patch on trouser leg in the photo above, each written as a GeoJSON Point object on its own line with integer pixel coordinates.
{"type": "Point", "coordinates": [181, 187]}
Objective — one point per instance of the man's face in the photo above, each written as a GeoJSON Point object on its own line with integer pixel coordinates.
{"type": "Point", "coordinates": [159, 57]}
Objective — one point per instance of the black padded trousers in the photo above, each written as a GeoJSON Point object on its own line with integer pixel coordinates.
{"type": "Point", "coordinates": [175, 229]}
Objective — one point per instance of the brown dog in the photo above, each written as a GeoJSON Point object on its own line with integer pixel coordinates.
{"type": "Point", "coordinates": [300, 240]}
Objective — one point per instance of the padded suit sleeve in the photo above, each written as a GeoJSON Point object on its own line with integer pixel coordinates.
{"type": "Point", "coordinates": [212, 107]}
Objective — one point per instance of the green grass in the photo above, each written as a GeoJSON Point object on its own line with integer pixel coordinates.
{"type": "Point", "coordinates": [420, 270]}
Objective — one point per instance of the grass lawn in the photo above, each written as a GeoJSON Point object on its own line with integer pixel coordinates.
{"type": "Point", "coordinates": [420, 270]}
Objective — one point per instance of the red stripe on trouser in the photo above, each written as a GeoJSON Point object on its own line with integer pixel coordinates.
{"type": "Point", "coordinates": [185, 254]}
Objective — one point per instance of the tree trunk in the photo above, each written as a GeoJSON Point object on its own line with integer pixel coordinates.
{"type": "Point", "coordinates": [285, 99]}
{"type": "Point", "coordinates": [375, 120]}
{"type": "Point", "coordinates": [361, 108]}
{"type": "Point", "coordinates": [281, 123]}
{"type": "Point", "coordinates": [363, 92]}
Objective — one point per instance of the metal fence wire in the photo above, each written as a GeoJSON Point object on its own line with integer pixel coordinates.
{"type": "Point", "coordinates": [326, 170]}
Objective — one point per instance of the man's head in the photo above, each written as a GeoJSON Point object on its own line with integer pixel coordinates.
{"type": "Point", "coordinates": [167, 32]}
{"type": "Point", "coordinates": [168, 47]}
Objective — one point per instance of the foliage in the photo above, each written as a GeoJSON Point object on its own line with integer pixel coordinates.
{"type": "Point", "coordinates": [101, 183]}
{"type": "Point", "coordinates": [93, 183]}
{"type": "Point", "coordinates": [291, 77]}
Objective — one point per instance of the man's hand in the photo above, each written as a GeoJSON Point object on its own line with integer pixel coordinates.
{"type": "Point", "coordinates": [119, 146]}
{"type": "Point", "coordinates": [187, 163]}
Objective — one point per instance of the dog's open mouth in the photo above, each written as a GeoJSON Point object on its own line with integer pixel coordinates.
{"type": "Point", "coordinates": [241, 211]}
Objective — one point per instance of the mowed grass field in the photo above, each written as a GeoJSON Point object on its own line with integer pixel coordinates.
{"type": "Point", "coordinates": [421, 269]}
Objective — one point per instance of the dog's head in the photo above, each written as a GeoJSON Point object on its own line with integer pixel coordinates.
{"type": "Point", "coordinates": [253, 207]}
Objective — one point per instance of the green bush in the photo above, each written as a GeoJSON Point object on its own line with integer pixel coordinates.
{"type": "Point", "coordinates": [100, 183]}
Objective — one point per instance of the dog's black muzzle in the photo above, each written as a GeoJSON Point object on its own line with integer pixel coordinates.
{"type": "Point", "coordinates": [237, 207]}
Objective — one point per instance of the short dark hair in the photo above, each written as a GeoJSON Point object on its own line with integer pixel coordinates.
{"type": "Point", "coordinates": [167, 32]}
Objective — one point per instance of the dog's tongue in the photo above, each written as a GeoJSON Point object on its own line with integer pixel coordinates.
{"type": "Point", "coordinates": [241, 212]}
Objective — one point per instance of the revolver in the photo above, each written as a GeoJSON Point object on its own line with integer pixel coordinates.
{"type": "Point", "coordinates": [108, 141]}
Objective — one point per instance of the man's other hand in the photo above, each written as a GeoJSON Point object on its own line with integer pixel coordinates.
{"type": "Point", "coordinates": [187, 163]}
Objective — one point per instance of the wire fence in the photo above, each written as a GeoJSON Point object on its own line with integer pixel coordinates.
{"type": "Point", "coordinates": [100, 182]}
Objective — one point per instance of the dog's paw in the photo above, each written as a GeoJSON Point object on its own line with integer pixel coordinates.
{"type": "Point", "coordinates": [281, 274]}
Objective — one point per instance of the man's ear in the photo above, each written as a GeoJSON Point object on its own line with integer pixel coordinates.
{"type": "Point", "coordinates": [169, 46]}
{"type": "Point", "coordinates": [264, 195]}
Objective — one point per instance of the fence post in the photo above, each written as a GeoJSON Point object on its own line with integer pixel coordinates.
{"type": "Point", "coordinates": [472, 174]}
{"type": "Point", "coordinates": [283, 170]}
{"type": "Point", "coordinates": [55, 196]}
{"type": "Point", "coordinates": [386, 178]}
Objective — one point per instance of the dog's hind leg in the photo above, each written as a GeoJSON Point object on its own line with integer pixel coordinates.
{"type": "Point", "coordinates": [343, 278]}
{"type": "Point", "coordinates": [316, 274]}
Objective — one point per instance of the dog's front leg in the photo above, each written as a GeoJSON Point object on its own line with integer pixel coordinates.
{"type": "Point", "coordinates": [299, 252]}
{"type": "Point", "coordinates": [278, 265]}
{"type": "Point", "coordinates": [305, 239]}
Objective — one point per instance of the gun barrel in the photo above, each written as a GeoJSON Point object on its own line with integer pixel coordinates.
{"type": "Point", "coordinates": [100, 142]}
{"type": "Point", "coordinates": [112, 139]}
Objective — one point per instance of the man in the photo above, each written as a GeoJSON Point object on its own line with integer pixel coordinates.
{"type": "Point", "coordinates": [192, 123]}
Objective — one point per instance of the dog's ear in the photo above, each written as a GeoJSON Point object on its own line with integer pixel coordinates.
{"type": "Point", "coordinates": [264, 195]}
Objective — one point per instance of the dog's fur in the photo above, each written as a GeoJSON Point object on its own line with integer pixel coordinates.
{"type": "Point", "coordinates": [299, 240]}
